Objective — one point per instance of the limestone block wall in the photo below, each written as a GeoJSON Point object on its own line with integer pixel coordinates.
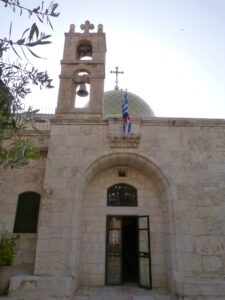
{"type": "Point", "coordinates": [192, 158]}
{"type": "Point", "coordinates": [59, 230]}
{"type": "Point", "coordinates": [26, 249]}
{"type": "Point", "coordinates": [14, 182]}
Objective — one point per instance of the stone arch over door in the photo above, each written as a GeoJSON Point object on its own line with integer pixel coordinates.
{"type": "Point", "coordinates": [143, 164]}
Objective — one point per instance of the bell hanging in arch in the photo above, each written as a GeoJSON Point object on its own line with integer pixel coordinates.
{"type": "Point", "coordinates": [82, 92]}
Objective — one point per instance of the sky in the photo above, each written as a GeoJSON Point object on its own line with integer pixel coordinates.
{"type": "Point", "coordinates": [172, 52]}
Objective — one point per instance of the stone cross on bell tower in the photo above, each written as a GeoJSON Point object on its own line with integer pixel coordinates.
{"type": "Point", "coordinates": [83, 64]}
{"type": "Point", "coordinates": [87, 26]}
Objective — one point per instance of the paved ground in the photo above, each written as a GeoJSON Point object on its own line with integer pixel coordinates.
{"type": "Point", "coordinates": [120, 293]}
{"type": "Point", "coordinates": [115, 293]}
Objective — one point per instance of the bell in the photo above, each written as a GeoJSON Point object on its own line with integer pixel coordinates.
{"type": "Point", "coordinates": [82, 92]}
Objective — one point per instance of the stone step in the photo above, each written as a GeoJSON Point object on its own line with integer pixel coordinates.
{"type": "Point", "coordinates": [128, 297]}
{"type": "Point", "coordinates": [120, 293]}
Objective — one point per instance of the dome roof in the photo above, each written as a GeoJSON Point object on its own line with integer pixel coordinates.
{"type": "Point", "coordinates": [137, 106]}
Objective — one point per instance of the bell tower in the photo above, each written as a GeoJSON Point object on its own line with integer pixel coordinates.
{"type": "Point", "coordinates": [83, 63]}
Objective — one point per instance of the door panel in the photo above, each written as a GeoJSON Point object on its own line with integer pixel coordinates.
{"type": "Point", "coordinates": [113, 255]}
{"type": "Point", "coordinates": [144, 252]}
{"type": "Point", "coordinates": [143, 241]}
{"type": "Point", "coordinates": [144, 279]}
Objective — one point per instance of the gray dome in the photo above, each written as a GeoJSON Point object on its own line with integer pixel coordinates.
{"type": "Point", "coordinates": [137, 107]}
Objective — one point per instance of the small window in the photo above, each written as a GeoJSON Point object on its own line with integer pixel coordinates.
{"type": "Point", "coordinates": [122, 195]}
{"type": "Point", "coordinates": [27, 213]}
{"type": "Point", "coordinates": [122, 173]}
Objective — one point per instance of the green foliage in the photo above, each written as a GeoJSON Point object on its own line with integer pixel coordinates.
{"type": "Point", "coordinates": [41, 12]}
{"type": "Point", "coordinates": [21, 151]}
{"type": "Point", "coordinates": [7, 248]}
{"type": "Point", "coordinates": [18, 155]}
{"type": "Point", "coordinates": [16, 78]}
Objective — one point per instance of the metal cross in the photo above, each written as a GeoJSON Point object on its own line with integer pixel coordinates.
{"type": "Point", "coordinates": [117, 72]}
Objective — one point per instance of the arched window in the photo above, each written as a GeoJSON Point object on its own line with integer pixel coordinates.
{"type": "Point", "coordinates": [122, 195]}
{"type": "Point", "coordinates": [27, 213]}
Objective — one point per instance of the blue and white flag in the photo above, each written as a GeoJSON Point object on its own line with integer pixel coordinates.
{"type": "Point", "coordinates": [125, 114]}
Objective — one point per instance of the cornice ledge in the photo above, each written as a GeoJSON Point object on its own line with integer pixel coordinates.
{"type": "Point", "coordinates": [200, 122]}
{"type": "Point", "coordinates": [71, 121]}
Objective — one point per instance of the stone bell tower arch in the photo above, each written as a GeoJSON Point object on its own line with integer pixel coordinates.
{"type": "Point", "coordinates": [83, 63]}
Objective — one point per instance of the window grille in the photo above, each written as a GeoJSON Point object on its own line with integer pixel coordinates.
{"type": "Point", "coordinates": [122, 195]}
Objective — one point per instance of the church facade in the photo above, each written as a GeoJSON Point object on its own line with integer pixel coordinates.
{"type": "Point", "coordinates": [146, 208]}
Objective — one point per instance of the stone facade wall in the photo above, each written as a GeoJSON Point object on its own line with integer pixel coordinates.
{"type": "Point", "coordinates": [18, 180]}
{"type": "Point", "coordinates": [13, 182]}
{"type": "Point", "coordinates": [26, 249]}
{"type": "Point", "coordinates": [191, 158]}
{"type": "Point", "coordinates": [187, 154]}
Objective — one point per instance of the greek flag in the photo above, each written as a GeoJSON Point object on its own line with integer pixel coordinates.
{"type": "Point", "coordinates": [125, 114]}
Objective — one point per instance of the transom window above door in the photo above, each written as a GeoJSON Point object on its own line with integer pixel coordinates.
{"type": "Point", "coordinates": [122, 195]}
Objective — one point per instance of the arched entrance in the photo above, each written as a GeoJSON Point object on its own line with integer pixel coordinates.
{"type": "Point", "coordinates": [152, 189]}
